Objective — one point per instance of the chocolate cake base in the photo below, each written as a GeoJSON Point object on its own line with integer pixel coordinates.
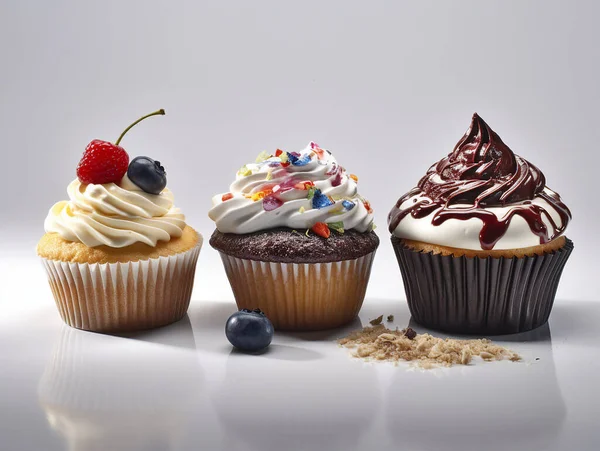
{"type": "Point", "coordinates": [301, 282]}
{"type": "Point", "coordinates": [285, 245]}
{"type": "Point", "coordinates": [473, 295]}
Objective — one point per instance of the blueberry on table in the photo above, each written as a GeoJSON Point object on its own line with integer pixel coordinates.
{"type": "Point", "coordinates": [249, 330]}
{"type": "Point", "coordinates": [148, 174]}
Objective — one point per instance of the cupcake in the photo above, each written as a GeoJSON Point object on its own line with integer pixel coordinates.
{"type": "Point", "coordinates": [296, 239]}
{"type": "Point", "coordinates": [119, 256]}
{"type": "Point", "coordinates": [481, 240]}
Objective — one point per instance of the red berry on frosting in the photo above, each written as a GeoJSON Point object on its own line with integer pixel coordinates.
{"type": "Point", "coordinates": [105, 162]}
{"type": "Point", "coordinates": [226, 197]}
{"type": "Point", "coordinates": [102, 162]}
{"type": "Point", "coordinates": [321, 229]}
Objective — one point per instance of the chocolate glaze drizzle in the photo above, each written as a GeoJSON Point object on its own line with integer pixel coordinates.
{"type": "Point", "coordinates": [483, 172]}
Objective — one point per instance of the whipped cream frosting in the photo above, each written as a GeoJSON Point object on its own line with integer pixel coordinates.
{"type": "Point", "coordinates": [115, 215]}
{"type": "Point", "coordinates": [481, 196]}
{"type": "Point", "coordinates": [294, 190]}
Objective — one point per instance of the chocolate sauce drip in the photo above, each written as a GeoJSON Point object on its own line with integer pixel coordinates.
{"type": "Point", "coordinates": [482, 172]}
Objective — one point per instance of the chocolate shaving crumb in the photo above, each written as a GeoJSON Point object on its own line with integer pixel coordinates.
{"type": "Point", "coordinates": [424, 350]}
{"type": "Point", "coordinates": [390, 318]}
{"type": "Point", "coordinates": [409, 333]}
{"type": "Point", "coordinates": [376, 321]}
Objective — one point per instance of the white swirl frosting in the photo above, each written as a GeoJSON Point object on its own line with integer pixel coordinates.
{"type": "Point", "coordinates": [294, 190]}
{"type": "Point", "coordinates": [115, 215]}
{"type": "Point", "coordinates": [464, 234]}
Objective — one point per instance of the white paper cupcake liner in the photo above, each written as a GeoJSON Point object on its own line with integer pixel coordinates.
{"type": "Point", "coordinates": [301, 296]}
{"type": "Point", "coordinates": [119, 297]}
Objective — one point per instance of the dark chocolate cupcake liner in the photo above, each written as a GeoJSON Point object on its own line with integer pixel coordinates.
{"type": "Point", "coordinates": [489, 296]}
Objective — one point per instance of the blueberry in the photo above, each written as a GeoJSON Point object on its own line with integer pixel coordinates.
{"type": "Point", "coordinates": [249, 330]}
{"type": "Point", "coordinates": [148, 174]}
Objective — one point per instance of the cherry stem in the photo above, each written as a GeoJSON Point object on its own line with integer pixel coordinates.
{"type": "Point", "coordinates": [160, 112]}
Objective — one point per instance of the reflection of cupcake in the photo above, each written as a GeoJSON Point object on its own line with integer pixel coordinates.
{"type": "Point", "coordinates": [310, 403]}
{"type": "Point", "coordinates": [296, 239]}
{"type": "Point", "coordinates": [118, 254]}
{"type": "Point", "coordinates": [108, 393]}
{"type": "Point", "coordinates": [480, 240]}
{"type": "Point", "coordinates": [460, 408]}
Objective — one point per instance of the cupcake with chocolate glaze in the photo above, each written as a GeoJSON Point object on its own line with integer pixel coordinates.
{"type": "Point", "coordinates": [296, 239]}
{"type": "Point", "coordinates": [481, 240]}
{"type": "Point", "coordinates": [118, 254]}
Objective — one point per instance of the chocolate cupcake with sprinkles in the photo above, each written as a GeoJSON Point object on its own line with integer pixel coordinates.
{"type": "Point", "coordinates": [296, 239]}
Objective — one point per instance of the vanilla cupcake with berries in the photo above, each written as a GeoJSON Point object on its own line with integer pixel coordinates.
{"type": "Point", "coordinates": [296, 239]}
{"type": "Point", "coordinates": [118, 254]}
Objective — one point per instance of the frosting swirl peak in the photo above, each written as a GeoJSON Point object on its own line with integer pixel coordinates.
{"type": "Point", "coordinates": [492, 192]}
{"type": "Point", "coordinates": [482, 171]}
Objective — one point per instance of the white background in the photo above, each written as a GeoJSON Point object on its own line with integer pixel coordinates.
{"type": "Point", "coordinates": [388, 87]}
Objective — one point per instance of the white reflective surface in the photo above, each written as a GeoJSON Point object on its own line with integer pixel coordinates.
{"type": "Point", "coordinates": [183, 388]}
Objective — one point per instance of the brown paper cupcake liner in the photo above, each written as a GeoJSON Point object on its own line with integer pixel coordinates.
{"type": "Point", "coordinates": [480, 295]}
{"type": "Point", "coordinates": [301, 296]}
{"type": "Point", "coordinates": [123, 297]}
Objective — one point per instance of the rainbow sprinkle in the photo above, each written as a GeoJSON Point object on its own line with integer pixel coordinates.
{"type": "Point", "coordinates": [263, 156]}
{"type": "Point", "coordinates": [298, 160]}
{"type": "Point", "coordinates": [337, 226]}
{"type": "Point", "coordinates": [320, 200]}
{"type": "Point", "coordinates": [244, 171]}
{"type": "Point", "coordinates": [348, 204]}
{"type": "Point", "coordinates": [271, 203]}
{"type": "Point", "coordinates": [260, 195]}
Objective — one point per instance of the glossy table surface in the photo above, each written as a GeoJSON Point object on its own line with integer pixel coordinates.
{"type": "Point", "coordinates": [183, 388]}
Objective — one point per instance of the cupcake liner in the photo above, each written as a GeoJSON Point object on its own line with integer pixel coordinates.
{"type": "Point", "coordinates": [301, 296]}
{"type": "Point", "coordinates": [480, 295]}
{"type": "Point", "coordinates": [120, 297]}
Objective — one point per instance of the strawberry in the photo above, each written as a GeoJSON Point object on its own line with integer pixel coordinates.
{"type": "Point", "coordinates": [102, 162]}
{"type": "Point", "coordinates": [226, 197]}
{"type": "Point", "coordinates": [321, 229]}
